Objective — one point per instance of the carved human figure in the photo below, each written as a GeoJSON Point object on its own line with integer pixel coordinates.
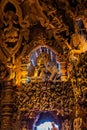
{"type": "Point", "coordinates": [46, 69]}
{"type": "Point", "coordinates": [40, 70]}
{"type": "Point", "coordinates": [24, 126]}
{"type": "Point", "coordinates": [69, 70]}
{"type": "Point", "coordinates": [54, 72]}
{"type": "Point", "coordinates": [10, 31]}
{"type": "Point", "coordinates": [77, 123]}
{"type": "Point", "coordinates": [63, 127]}
{"type": "Point", "coordinates": [25, 24]}
{"type": "Point", "coordinates": [11, 66]}
{"type": "Point", "coordinates": [79, 46]}
{"type": "Point", "coordinates": [66, 125]}
{"type": "Point", "coordinates": [54, 127]}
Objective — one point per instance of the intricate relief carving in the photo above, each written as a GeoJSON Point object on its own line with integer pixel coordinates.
{"type": "Point", "coordinates": [53, 24]}
{"type": "Point", "coordinates": [19, 22]}
{"type": "Point", "coordinates": [39, 96]}
{"type": "Point", "coordinates": [11, 39]}
{"type": "Point", "coordinates": [79, 78]}
{"type": "Point", "coordinates": [4, 72]}
{"type": "Point", "coordinates": [66, 125]}
{"type": "Point", "coordinates": [15, 28]}
{"type": "Point", "coordinates": [25, 24]}
{"type": "Point", "coordinates": [45, 69]}
{"type": "Point", "coordinates": [77, 124]}
{"type": "Point", "coordinates": [11, 36]}
{"type": "Point", "coordinates": [79, 46]}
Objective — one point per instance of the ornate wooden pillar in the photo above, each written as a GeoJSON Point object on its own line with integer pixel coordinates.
{"type": "Point", "coordinates": [7, 103]}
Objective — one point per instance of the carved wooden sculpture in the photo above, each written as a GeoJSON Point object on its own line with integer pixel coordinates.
{"type": "Point", "coordinates": [54, 35]}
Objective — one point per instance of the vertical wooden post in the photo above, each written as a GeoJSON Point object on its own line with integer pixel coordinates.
{"type": "Point", "coordinates": [7, 102]}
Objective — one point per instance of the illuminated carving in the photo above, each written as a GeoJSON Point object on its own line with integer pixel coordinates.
{"type": "Point", "coordinates": [44, 65]}
{"type": "Point", "coordinates": [34, 82]}
{"type": "Point", "coordinates": [78, 42]}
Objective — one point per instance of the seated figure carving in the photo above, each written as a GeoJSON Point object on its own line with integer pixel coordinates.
{"type": "Point", "coordinates": [46, 70]}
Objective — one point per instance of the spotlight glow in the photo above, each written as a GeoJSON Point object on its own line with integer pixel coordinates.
{"type": "Point", "coordinates": [45, 126]}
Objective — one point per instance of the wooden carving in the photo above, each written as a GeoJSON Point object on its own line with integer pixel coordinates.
{"type": "Point", "coordinates": [54, 79]}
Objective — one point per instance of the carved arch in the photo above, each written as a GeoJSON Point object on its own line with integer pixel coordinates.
{"type": "Point", "coordinates": [44, 116]}
{"type": "Point", "coordinates": [16, 5]}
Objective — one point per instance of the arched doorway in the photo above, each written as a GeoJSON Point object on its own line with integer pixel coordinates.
{"type": "Point", "coordinates": [44, 121]}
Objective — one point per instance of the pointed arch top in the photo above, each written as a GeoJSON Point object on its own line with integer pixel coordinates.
{"type": "Point", "coordinates": [14, 3]}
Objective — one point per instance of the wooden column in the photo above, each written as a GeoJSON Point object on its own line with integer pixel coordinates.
{"type": "Point", "coordinates": [7, 102]}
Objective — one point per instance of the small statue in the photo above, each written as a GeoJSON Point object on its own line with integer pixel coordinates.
{"type": "Point", "coordinates": [54, 127]}
{"type": "Point", "coordinates": [40, 70]}
{"type": "Point", "coordinates": [24, 126]}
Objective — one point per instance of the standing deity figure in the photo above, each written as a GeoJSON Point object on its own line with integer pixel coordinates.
{"type": "Point", "coordinates": [77, 123]}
